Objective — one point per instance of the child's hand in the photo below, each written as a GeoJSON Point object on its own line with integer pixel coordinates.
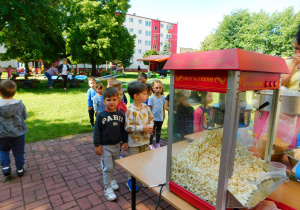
{"type": "Point", "coordinates": [90, 108]}
{"type": "Point", "coordinates": [147, 129]}
{"type": "Point", "coordinates": [98, 150]}
{"type": "Point", "coordinates": [125, 146]}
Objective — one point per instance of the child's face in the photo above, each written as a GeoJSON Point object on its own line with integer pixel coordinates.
{"type": "Point", "coordinates": [100, 90]}
{"type": "Point", "coordinates": [111, 103]}
{"type": "Point", "coordinates": [120, 95]}
{"type": "Point", "coordinates": [184, 101]}
{"type": "Point", "coordinates": [109, 84]}
{"type": "Point", "coordinates": [92, 84]}
{"type": "Point", "coordinates": [209, 98]}
{"type": "Point", "coordinates": [150, 93]}
{"type": "Point", "coordinates": [141, 97]}
{"type": "Point", "coordinates": [157, 88]}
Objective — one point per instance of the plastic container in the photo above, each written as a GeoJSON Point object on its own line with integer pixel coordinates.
{"type": "Point", "coordinates": [278, 166]}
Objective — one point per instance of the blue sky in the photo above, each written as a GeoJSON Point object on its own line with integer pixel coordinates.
{"type": "Point", "coordinates": [197, 18]}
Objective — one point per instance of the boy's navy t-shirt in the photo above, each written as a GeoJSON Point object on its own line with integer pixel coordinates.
{"type": "Point", "coordinates": [110, 128]}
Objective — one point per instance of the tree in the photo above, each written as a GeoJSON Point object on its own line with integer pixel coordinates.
{"type": "Point", "coordinates": [166, 50]}
{"type": "Point", "coordinates": [96, 34]}
{"type": "Point", "coordinates": [31, 30]}
{"type": "Point", "coordinates": [260, 32]}
{"type": "Point", "coordinates": [147, 53]}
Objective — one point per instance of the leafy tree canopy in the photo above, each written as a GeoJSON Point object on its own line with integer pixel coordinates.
{"type": "Point", "coordinates": [31, 30]}
{"type": "Point", "coordinates": [271, 34]}
{"type": "Point", "coordinates": [149, 52]}
{"type": "Point", "coordinates": [96, 34]}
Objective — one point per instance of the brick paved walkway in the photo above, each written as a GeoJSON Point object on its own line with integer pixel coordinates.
{"type": "Point", "coordinates": [65, 173]}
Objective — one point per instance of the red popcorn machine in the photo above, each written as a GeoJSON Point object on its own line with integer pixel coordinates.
{"type": "Point", "coordinates": [211, 160]}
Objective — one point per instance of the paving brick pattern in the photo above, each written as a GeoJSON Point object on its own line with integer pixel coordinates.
{"type": "Point", "coordinates": [65, 173]}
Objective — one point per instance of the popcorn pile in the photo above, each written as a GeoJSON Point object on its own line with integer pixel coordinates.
{"type": "Point", "coordinates": [197, 169]}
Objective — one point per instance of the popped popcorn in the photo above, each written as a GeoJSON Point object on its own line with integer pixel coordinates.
{"type": "Point", "coordinates": [196, 169]}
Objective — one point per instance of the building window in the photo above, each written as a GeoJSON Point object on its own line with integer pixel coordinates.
{"type": "Point", "coordinates": [154, 47]}
{"type": "Point", "coordinates": [140, 41]}
{"type": "Point", "coordinates": [169, 26]}
{"type": "Point", "coordinates": [169, 36]}
{"type": "Point", "coordinates": [139, 61]}
{"type": "Point", "coordinates": [148, 23]}
{"type": "Point", "coordinates": [161, 25]}
{"type": "Point", "coordinates": [140, 31]}
{"type": "Point", "coordinates": [148, 43]}
{"type": "Point", "coordinates": [148, 33]}
{"type": "Point", "coordinates": [155, 28]}
{"type": "Point", "coordinates": [169, 44]}
{"type": "Point", "coordinates": [161, 44]}
{"type": "Point", "coordinates": [131, 20]}
{"type": "Point", "coordinates": [140, 21]}
{"type": "Point", "coordinates": [140, 51]}
{"type": "Point", "coordinates": [161, 35]}
{"type": "Point", "coordinates": [131, 30]}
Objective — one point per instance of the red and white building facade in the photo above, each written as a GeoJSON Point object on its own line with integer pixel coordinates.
{"type": "Point", "coordinates": [150, 34]}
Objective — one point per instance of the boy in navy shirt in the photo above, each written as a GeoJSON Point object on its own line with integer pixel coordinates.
{"type": "Point", "coordinates": [108, 133]}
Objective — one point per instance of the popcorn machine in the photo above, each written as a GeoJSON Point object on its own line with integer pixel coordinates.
{"type": "Point", "coordinates": [206, 164]}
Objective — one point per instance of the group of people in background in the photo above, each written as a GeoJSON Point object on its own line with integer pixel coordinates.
{"type": "Point", "coordinates": [61, 70]}
{"type": "Point", "coordinates": [9, 70]}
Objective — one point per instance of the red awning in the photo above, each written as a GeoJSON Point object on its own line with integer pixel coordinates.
{"type": "Point", "coordinates": [156, 58]}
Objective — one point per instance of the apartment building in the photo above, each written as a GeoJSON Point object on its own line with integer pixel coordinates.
{"type": "Point", "coordinates": [150, 34]}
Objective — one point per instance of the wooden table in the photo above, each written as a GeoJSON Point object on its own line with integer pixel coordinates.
{"type": "Point", "coordinates": [14, 76]}
{"type": "Point", "coordinates": [150, 169]}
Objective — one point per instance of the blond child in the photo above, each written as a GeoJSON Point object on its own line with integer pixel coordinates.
{"type": "Point", "coordinates": [13, 128]}
{"type": "Point", "coordinates": [90, 94]}
{"type": "Point", "coordinates": [98, 104]}
{"type": "Point", "coordinates": [150, 92]}
{"type": "Point", "coordinates": [183, 115]}
{"type": "Point", "coordinates": [138, 122]}
{"type": "Point", "coordinates": [110, 82]}
{"type": "Point", "coordinates": [118, 83]}
{"type": "Point", "coordinates": [207, 110]}
{"type": "Point", "coordinates": [157, 104]}
{"type": "Point", "coordinates": [121, 105]}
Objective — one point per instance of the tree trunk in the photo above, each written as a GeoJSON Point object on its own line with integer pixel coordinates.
{"type": "Point", "coordinates": [26, 67]}
{"type": "Point", "coordinates": [94, 67]}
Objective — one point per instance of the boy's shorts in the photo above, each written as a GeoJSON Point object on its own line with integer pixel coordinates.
{"type": "Point", "coordinates": [137, 150]}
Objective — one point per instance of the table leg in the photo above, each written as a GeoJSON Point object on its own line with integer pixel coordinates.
{"type": "Point", "coordinates": [133, 193]}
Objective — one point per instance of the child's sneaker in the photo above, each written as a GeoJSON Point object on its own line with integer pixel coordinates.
{"type": "Point", "coordinates": [109, 194]}
{"type": "Point", "coordinates": [21, 172]}
{"type": "Point", "coordinates": [129, 185]}
{"type": "Point", "coordinates": [157, 145]}
{"type": "Point", "coordinates": [120, 156]}
{"type": "Point", "coordinates": [151, 146]}
{"type": "Point", "coordinates": [6, 171]}
{"type": "Point", "coordinates": [114, 184]}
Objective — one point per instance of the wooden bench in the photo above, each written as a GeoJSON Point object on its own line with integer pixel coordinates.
{"type": "Point", "coordinates": [60, 82]}
{"type": "Point", "coordinates": [27, 83]}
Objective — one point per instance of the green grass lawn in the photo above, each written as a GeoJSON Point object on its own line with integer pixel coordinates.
{"type": "Point", "coordinates": [55, 113]}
